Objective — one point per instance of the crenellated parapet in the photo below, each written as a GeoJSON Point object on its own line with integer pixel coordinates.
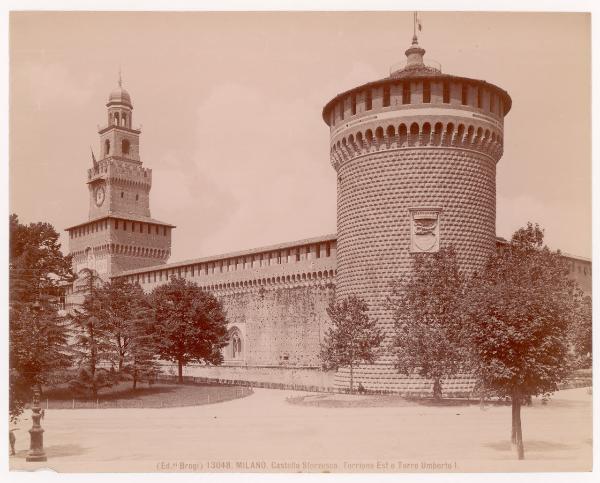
{"type": "Point", "coordinates": [376, 137]}
{"type": "Point", "coordinates": [115, 169]}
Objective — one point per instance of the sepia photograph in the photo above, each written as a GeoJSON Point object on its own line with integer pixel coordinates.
{"type": "Point", "coordinates": [299, 241]}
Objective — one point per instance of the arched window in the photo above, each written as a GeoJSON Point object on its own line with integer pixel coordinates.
{"type": "Point", "coordinates": [106, 147]}
{"type": "Point", "coordinates": [124, 120]}
{"type": "Point", "coordinates": [116, 118]}
{"type": "Point", "coordinates": [125, 146]}
{"type": "Point", "coordinates": [236, 344]}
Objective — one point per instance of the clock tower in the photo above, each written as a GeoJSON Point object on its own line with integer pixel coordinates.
{"type": "Point", "coordinates": [120, 234]}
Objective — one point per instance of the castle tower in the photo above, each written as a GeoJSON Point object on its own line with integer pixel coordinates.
{"type": "Point", "coordinates": [119, 234]}
{"type": "Point", "coordinates": [415, 155]}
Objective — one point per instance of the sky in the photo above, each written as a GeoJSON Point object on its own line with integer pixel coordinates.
{"type": "Point", "coordinates": [230, 110]}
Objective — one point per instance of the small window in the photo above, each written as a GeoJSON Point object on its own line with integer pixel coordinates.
{"type": "Point", "coordinates": [342, 110]}
{"type": "Point", "coordinates": [149, 226]}
{"type": "Point", "coordinates": [480, 98]}
{"type": "Point", "coordinates": [327, 250]}
{"type": "Point", "coordinates": [116, 224]}
{"type": "Point", "coordinates": [132, 226]}
{"type": "Point", "coordinates": [406, 93]}
{"type": "Point", "coordinates": [121, 194]}
{"type": "Point", "coordinates": [125, 146]}
{"type": "Point", "coordinates": [386, 96]}
{"type": "Point", "coordinates": [446, 93]}
{"type": "Point", "coordinates": [137, 197]}
{"type": "Point", "coordinates": [141, 228]}
{"type": "Point", "coordinates": [353, 104]}
{"type": "Point", "coordinates": [465, 95]}
{"type": "Point", "coordinates": [164, 230]}
{"type": "Point", "coordinates": [279, 257]}
{"type": "Point", "coordinates": [318, 250]}
{"type": "Point", "coordinates": [426, 92]}
{"type": "Point", "coordinates": [297, 254]}
{"type": "Point", "coordinates": [368, 100]}
{"type": "Point", "coordinates": [107, 147]}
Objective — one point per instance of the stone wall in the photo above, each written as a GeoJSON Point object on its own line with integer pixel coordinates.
{"type": "Point", "coordinates": [281, 326]}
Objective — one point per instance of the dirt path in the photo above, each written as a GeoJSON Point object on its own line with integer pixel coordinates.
{"type": "Point", "coordinates": [263, 432]}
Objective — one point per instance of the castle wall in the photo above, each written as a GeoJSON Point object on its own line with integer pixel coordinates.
{"type": "Point", "coordinates": [275, 299]}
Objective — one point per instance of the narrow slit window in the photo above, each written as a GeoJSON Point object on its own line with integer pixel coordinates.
{"type": "Point", "coordinates": [446, 93]}
{"type": "Point", "coordinates": [386, 96]}
{"type": "Point", "coordinates": [426, 92]}
{"type": "Point", "coordinates": [368, 100]}
{"type": "Point", "coordinates": [465, 95]}
{"type": "Point", "coordinates": [406, 93]}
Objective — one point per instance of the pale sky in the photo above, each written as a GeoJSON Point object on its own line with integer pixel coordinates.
{"type": "Point", "coordinates": [230, 107]}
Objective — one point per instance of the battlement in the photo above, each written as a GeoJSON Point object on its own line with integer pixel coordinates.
{"type": "Point", "coordinates": [115, 168]}
{"type": "Point", "coordinates": [383, 135]}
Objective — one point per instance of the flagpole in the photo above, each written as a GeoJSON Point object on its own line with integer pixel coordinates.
{"type": "Point", "coordinates": [415, 24]}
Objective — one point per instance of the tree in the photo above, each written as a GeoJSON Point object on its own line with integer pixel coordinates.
{"type": "Point", "coordinates": [141, 361]}
{"type": "Point", "coordinates": [127, 313]}
{"type": "Point", "coordinates": [518, 315]}
{"type": "Point", "coordinates": [92, 337]}
{"type": "Point", "coordinates": [581, 331]}
{"type": "Point", "coordinates": [190, 324]}
{"type": "Point", "coordinates": [427, 308]}
{"type": "Point", "coordinates": [38, 335]}
{"type": "Point", "coordinates": [353, 337]}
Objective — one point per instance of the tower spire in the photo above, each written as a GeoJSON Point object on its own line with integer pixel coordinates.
{"type": "Point", "coordinates": [120, 78]}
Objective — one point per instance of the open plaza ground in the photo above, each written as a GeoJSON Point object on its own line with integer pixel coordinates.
{"type": "Point", "coordinates": [266, 432]}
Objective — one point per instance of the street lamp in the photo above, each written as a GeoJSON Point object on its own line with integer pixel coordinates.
{"type": "Point", "coordinates": [36, 446]}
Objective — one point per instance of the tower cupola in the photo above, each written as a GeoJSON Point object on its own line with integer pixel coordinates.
{"type": "Point", "coordinates": [119, 106]}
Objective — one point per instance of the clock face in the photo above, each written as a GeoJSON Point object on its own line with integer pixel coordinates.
{"type": "Point", "coordinates": [99, 195]}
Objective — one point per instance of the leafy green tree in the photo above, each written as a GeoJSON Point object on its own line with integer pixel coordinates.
{"type": "Point", "coordinates": [38, 335]}
{"type": "Point", "coordinates": [190, 324]}
{"type": "Point", "coordinates": [518, 315]}
{"type": "Point", "coordinates": [92, 341]}
{"type": "Point", "coordinates": [427, 308]}
{"type": "Point", "coordinates": [352, 339]}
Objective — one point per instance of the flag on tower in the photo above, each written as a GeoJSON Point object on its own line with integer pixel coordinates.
{"type": "Point", "coordinates": [94, 162]}
{"type": "Point", "coordinates": [418, 19]}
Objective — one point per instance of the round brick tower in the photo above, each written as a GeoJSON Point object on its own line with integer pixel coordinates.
{"type": "Point", "coordinates": [415, 155]}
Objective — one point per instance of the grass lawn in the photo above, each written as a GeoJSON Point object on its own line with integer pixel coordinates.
{"type": "Point", "coordinates": [158, 395]}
